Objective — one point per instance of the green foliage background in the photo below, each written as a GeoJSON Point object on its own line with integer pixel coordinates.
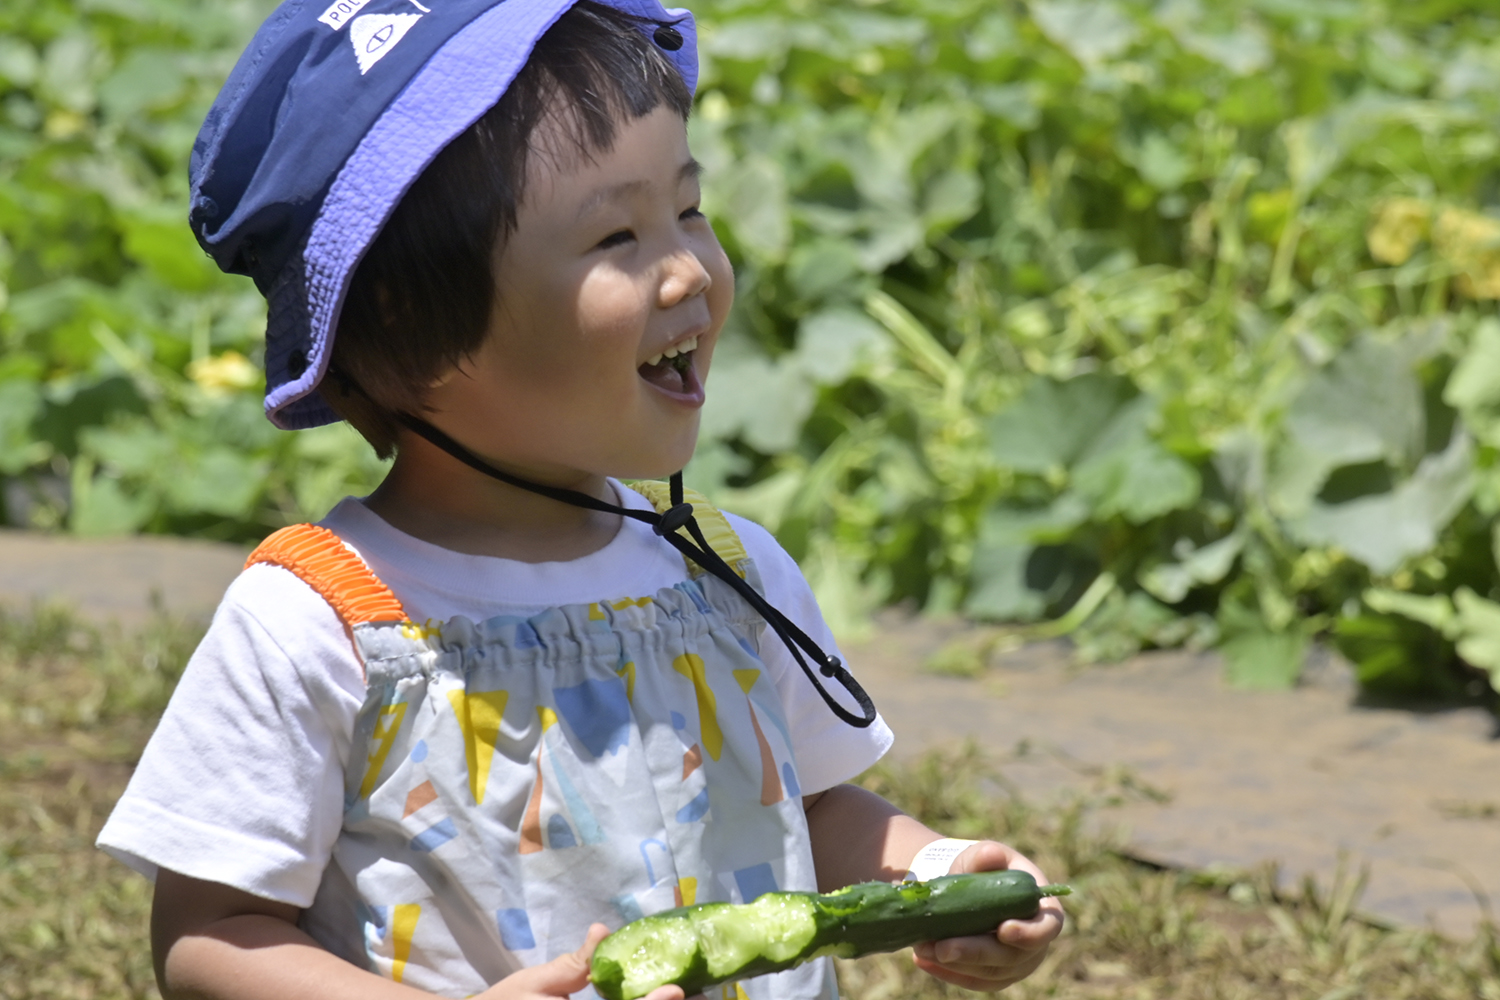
{"type": "Point", "coordinates": [1153, 323]}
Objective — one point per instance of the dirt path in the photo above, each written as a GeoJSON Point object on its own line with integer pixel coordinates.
{"type": "Point", "coordinates": [1302, 778]}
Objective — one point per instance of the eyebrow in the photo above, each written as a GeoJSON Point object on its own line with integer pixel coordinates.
{"type": "Point", "coordinates": [691, 169]}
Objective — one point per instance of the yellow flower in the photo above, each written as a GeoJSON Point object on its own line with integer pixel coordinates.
{"type": "Point", "coordinates": [1471, 243]}
{"type": "Point", "coordinates": [1400, 224]}
{"type": "Point", "coordinates": [223, 373]}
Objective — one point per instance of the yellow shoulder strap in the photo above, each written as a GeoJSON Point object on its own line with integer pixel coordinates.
{"type": "Point", "coordinates": [324, 563]}
{"type": "Point", "coordinates": [716, 530]}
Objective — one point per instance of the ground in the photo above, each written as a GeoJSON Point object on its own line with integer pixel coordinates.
{"type": "Point", "coordinates": [1186, 813]}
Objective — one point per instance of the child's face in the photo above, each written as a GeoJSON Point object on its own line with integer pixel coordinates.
{"type": "Point", "coordinates": [610, 265]}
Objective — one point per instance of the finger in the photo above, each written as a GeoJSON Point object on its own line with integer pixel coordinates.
{"type": "Point", "coordinates": [990, 856]}
{"type": "Point", "coordinates": [1034, 932]}
{"type": "Point", "coordinates": [980, 960]}
{"type": "Point", "coordinates": [565, 974]}
{"type": "Point", "coordinates": [667, 993]}
{"type": "Point", "coordinates": [986, 981]}
{"type": "Point", "coordinates": [597, 933]}
{"type": "Point", "coordinates": [976, 953]}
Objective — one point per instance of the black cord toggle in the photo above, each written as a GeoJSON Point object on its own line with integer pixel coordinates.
{"type": "Point", "coordinates": [832, 666]}
{"type": "Point", "coordinates": [673, 519]}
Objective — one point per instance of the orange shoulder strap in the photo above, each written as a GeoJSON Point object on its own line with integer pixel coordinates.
{"type": "Point", "coordinates": [324, 563]}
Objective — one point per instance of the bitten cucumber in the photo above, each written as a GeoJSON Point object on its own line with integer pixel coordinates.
{"type": "Point", "coordinates": [700, 946]}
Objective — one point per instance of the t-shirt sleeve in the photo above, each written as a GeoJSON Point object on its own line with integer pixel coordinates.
{"type": "Point", "coordinates": [242, 782]}
{"type": "Point", "coordinates": [829, 751]}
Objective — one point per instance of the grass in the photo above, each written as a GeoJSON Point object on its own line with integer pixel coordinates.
{"type": "Point", "coordinates": [77, 704]}
{"type": "Point", "coordinates": [1137, 932]}
{"type": "Point", "coordinates": [76, 707]}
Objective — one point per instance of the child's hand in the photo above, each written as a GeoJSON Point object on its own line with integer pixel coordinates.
{"type": "Point", "coordinates": [563, 976]}
{"type": "Point", "coordinates": [1013, 952]}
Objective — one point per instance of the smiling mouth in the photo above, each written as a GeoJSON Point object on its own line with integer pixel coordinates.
{"type": "Point", "coordinates": [673, 369]}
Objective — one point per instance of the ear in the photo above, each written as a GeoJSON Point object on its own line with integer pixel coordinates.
{"type": "Point", "coordinates": [449, 374]}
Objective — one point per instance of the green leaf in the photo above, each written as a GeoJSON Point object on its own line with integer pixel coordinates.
{"type": "Point", "coordinates": [148, 78]}
{"type": "Point", "coordinates": [1207, 564]}
{"type": "Point", "coordinates": [1016, 103]}
{"type": "Point", "coordinates": [1479, 642]}
{"type": "Point", "coordinates": [101, 506]}
{"type": "Point", "coordinates": [951, 197]}
{"type": "Point", "coordinates": [1053, 423]}
{"type": "Point", "coordinates": [1125, 473]}
{"type": "Point", "coordinates": [1005, 525]}
{"type": "Point", "coordinates": [1384, 530]}
{"type": "Point", "coordinates": [163, 243]}
{"type": "Point", "coordinates": [826, 268]}
{"type": "Point", "coordinates": [220, 481]}
{"type": "Point", "coordinates": [1364, 406]}
{"type": "Point", "coordinates": [1474, 387]}
{"type": "Point", "coordinates": [1020, 568]}
{"type": "Point", "coordinates": [1395, 656]}
{"type": "Point", "coordinates": [751, 198]}
{"type": "Point", "coordinates": [747, 38]}
{"type": "Point", "coordinates": [1000, 591]}
{"type": "Point", "coordinates": [138, 449]}
{"type": "Point", "coordinates": [1124, 624]}
{"type": "Point", "coordinates": [993, 36]}
{"type": "Point", "coordinates": [1244, 51]}
{"type": "Point", "coordinates": [1265, 660]}
{"type": "Point", "coordinates": [835, 343]}
{"type": "Point", "coordinates": [1162, 164]}
{"type": "Point", "coordinates": [333, 462]}
{"type": "Point", "coordinates": [19, 62]}
{"type": "Point", "coordinates": [1093, 31]}
{"type": "Point", "coordinates": [20, 404]}
{"type": "Point", "coordinates": [70, 70]}
{"type": "Point", "coordinates": [763, 401]}
{"type": "Point", "coordinates": [1433, 610]}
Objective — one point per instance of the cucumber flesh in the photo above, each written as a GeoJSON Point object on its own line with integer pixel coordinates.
{"type": "Point", "coordinates": [778, 926]}
{"type": "Point", "coordinates": [700, 946]}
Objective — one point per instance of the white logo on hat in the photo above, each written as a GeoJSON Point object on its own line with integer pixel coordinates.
{"type": "Point", "coordinates": [373, 35]}
{"type": "Point", "coordinates": [340, 11]}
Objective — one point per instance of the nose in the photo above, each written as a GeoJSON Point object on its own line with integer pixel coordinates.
{"type": "Point", "coordinates": [684, 276]}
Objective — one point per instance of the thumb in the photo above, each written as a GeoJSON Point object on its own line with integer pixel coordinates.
{"type": "Point", "coordinates": [564, 975]}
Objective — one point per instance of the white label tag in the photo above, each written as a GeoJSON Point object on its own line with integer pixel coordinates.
{"type": "Point", "coordinates": [373, 35]}
{"type": "Point", "coordinates": [936, 858]}
{"type": "Point", "coordinates": [340, 11]}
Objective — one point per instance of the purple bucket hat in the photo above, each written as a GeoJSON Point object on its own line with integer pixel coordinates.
{"type": "Point", "coordinates": [328, 117]}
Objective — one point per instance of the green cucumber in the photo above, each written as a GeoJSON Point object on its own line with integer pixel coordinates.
{"type": "Point", "coordinates": [700, 946]}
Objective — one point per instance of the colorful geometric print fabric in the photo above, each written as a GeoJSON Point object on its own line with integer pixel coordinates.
{"type": "Point", "coordinates": [513, 781]}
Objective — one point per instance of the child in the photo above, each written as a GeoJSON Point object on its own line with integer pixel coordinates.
{"type": "Point", "coordinates": [494, 207]}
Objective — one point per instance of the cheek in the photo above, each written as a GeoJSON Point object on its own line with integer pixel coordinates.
{"type": "Point", "coordinates": [610, 312]}
{"type": "Point", "coordinates": [721, 289]}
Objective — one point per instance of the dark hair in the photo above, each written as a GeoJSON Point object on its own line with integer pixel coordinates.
{"type": "Point", "coordinates": [421, 299]}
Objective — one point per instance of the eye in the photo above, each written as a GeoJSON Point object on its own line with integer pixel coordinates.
{"type": "Point", "coordinates": [692, 213]}
{"type": "Point", "coordinates": [615, 239]}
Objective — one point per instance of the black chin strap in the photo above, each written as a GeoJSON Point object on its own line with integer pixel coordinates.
{"type": "Point", "coordinates": [669, 525]}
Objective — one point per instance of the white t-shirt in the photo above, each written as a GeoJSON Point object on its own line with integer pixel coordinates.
{"type": "Point", "coordinates": [243, 781]}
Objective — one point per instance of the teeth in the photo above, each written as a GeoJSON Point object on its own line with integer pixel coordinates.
{"type": "Point", "coordinates": [686, 347]}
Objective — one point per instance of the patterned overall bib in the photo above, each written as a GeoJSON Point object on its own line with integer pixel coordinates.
{"type": "Point", "coordinates": [512, 781]}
